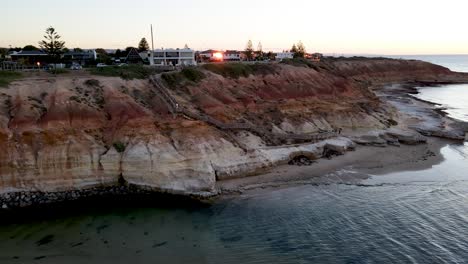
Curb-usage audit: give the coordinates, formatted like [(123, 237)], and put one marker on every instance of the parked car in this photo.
[(76, 67), (101, 65)]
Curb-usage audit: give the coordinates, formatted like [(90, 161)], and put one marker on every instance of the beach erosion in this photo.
[(69, 137)]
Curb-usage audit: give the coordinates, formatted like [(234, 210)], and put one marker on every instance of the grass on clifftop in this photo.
[(190, 74), (129, 72), (6, 77), (237, 70)]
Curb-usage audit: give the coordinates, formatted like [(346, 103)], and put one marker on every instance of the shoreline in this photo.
[(410, 156)]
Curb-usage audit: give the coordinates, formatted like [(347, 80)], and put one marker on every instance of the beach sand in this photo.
[(351, 168)]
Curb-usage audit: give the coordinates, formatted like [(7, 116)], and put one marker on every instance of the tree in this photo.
[(30, 48), (301, 51), (260, 51), (143, 45), (101, 51), (77, 50), (3, 52), (249, 51), (294, 48), (52, 44)]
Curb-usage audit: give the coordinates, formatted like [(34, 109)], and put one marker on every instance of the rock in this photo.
[(4, 206), (408, 137)]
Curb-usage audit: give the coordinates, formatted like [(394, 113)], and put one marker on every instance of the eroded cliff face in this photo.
[(67, 133)]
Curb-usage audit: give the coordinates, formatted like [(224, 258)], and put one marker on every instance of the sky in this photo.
[(397, 27)]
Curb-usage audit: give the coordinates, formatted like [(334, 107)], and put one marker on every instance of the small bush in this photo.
[(119, 146), (92, 83), (193, 74), (6, 77), (172, 79), (75, 98)]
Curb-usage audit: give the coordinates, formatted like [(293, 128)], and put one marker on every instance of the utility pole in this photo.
[(152, 47)]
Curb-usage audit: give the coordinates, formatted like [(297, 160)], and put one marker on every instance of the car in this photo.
[(76, 67), (123, 64), (101, 65)]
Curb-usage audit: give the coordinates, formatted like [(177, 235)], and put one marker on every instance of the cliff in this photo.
[(81, 131)]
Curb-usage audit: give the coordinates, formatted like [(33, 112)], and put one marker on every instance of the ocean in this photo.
[(403, 217)]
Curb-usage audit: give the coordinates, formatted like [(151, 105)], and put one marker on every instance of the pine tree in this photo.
[(52, 44), (249, 51), (143, 45), (294, 48)]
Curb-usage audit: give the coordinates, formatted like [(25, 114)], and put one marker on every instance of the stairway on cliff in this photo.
[(177, 108)]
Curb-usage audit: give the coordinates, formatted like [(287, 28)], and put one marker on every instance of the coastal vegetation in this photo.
[(6, 77), (128, 72), (237, 70), (189, 74)]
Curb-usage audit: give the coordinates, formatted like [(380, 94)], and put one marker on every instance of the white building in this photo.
[(232, 55), (284, 55), (174, 57)]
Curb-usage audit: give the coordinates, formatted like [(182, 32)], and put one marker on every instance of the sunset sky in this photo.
[(328, 26)]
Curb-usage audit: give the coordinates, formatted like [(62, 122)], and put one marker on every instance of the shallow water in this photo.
[(406, 217), (452, 98)]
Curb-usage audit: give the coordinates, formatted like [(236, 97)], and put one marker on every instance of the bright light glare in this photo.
[(218, 56)]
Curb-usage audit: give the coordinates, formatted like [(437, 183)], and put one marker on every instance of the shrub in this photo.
[(92, 82), (119, 146), (193, 74), (172, 79)]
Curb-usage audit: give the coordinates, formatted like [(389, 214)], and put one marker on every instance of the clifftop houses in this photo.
[(160, 57)]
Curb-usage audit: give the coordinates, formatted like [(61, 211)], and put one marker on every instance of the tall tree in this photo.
[(301, 50), (143, 45), (260, 51), (294, 48), (77, 50), (52, 43), (249, 51)]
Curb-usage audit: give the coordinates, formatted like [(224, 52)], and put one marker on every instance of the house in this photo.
[(317, 57), (133, 57), (174, 57), (232, 55), (211, 55), (31, 57), (145, 55), (81, 57), (284, 55)]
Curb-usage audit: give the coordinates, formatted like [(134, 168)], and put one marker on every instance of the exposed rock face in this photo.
[(65, 133)]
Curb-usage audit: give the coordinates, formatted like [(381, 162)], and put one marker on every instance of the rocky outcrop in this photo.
[(393, 136), (62, 134)]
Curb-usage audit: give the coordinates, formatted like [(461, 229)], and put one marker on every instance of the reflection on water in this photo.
[(408, 217), (454, 98)]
